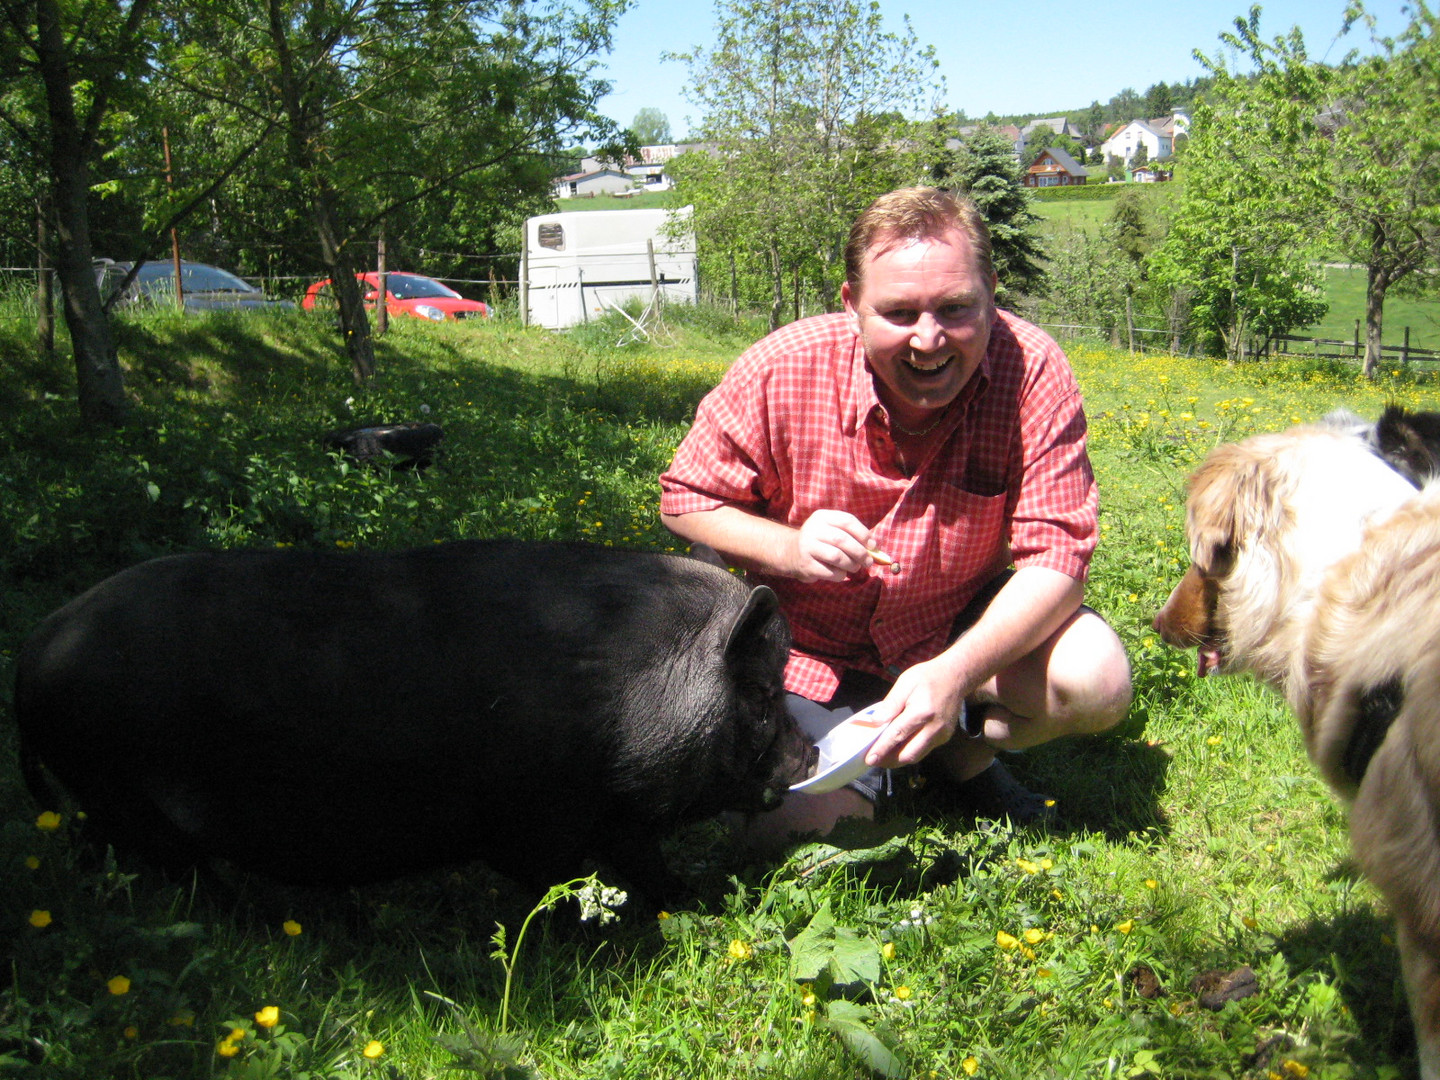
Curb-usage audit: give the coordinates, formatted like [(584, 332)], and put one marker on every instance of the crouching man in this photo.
[(910, 476)]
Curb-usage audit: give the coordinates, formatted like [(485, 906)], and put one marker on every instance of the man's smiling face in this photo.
[(923, 310)]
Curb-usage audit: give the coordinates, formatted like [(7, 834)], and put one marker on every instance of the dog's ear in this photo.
[(1409, 442), (1220, 507)]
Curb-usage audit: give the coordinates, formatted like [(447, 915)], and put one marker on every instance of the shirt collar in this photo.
[(867, 404)]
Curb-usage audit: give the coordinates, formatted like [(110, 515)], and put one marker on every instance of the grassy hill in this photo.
[(1193, 841), (1344, 286)]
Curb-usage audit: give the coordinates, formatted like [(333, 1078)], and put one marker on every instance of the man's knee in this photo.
[(1090, 675)]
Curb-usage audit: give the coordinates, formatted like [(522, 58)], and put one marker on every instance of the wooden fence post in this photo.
[(1357, 337), (1405, 350)]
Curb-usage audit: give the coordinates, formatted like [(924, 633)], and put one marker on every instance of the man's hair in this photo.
[(917, 213)]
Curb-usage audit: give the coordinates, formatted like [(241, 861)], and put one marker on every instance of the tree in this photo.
[(381, 106), (1384, 127), (1244, 236), (1094, 124), (73, 69), (1130, 226), (1141, 156), (799, 103), (1124, 106), (985, 169), (651, 127), (1159, 101)]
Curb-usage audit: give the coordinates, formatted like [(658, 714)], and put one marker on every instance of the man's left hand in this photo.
[(925, 705)]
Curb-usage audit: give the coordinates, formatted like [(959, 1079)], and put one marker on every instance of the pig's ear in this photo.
[(761, 606)]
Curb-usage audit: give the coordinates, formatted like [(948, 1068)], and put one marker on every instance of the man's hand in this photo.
[(926, 701), (830, 546)]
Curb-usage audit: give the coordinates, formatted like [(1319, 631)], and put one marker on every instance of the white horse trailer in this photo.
[(583, 263)]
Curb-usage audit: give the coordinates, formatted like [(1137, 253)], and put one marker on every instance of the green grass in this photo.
[(1195, 839), (645, 200), (1344, 286), (1345, 292)]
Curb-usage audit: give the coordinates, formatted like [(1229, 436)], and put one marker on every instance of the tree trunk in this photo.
[(44, 286), (1377, 283), (341, 263), (777, 282), (99, 387)]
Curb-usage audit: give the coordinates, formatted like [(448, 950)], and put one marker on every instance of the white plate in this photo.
[(842, 752)]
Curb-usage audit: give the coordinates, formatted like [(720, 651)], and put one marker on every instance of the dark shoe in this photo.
[(994, 793)]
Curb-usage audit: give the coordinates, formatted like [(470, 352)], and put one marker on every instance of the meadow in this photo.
[(1193, 842), (1344, 284)]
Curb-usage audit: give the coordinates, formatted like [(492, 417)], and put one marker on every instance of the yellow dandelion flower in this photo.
[(1294, 1068), (291, 927), (118, 986), (1043, 973), (739, 950), (808, 1000), (236, 1035), (1028, 866), (226, 1049), (1249, 922), (903, 993), (49, 821), (1176, 1009), (1151, 883), (1057, 894), (32, 863), (1006, 941), (1108, 1003), (131, 1032), (1048, 864), (888, 950), (1126, 926), (268, 1017), (40, 919), (969, 1066), (1027, 952), (1034, 936), (373, 1049), (1213, 740)]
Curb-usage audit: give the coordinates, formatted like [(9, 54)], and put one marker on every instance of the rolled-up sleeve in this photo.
[(1054, 519)]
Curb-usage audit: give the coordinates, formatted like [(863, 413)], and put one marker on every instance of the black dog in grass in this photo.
[(332, 718)]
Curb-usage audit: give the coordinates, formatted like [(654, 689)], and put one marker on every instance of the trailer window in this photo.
[(552, 236)]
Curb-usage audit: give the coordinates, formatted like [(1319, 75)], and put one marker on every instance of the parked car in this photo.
[(204, 287), (406, 294)]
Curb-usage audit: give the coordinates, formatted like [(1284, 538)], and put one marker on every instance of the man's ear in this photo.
[(849, 300)]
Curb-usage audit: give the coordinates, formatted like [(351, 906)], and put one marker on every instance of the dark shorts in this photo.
[(859, 690)]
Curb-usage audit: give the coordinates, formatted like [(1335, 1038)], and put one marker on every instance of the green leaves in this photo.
[(835, 957), (828, 952)]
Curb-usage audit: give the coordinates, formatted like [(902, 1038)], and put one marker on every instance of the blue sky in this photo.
[(1039, 56)]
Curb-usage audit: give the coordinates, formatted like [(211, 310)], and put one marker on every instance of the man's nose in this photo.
[(927, 334)]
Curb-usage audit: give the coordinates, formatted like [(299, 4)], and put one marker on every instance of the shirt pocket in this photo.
[(970, 528)]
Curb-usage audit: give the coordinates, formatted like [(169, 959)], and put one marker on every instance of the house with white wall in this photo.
[(1128, 138)]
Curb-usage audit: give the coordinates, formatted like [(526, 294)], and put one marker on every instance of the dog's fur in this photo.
[(1316, 566)]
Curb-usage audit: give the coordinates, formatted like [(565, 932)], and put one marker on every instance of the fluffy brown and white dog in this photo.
[(1316, 566)]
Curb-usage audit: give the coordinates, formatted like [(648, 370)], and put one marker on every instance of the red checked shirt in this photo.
[(795, 426)]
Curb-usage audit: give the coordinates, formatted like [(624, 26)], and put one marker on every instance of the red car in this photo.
[(406, 294)]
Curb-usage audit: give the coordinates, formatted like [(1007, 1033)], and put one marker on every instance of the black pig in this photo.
[(339, 718)]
